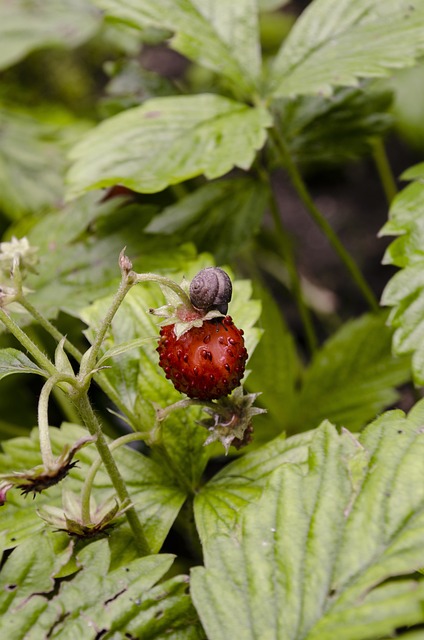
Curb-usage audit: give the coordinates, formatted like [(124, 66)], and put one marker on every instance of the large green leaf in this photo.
[(335, 42), (222, 35), (405, 291), (151, 487), (314, 557), (166, 141), (26, 25), (14, 361), (352, 378), (96, 599), (219, 217), (141, 384)]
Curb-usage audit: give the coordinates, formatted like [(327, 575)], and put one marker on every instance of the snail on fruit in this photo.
[(211, 289)]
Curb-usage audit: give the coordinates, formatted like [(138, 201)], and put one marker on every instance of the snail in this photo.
[(211, 289)]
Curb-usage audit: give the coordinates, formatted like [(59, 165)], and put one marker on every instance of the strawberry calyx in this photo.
[(230, 417), (230, 420), (179, 311)]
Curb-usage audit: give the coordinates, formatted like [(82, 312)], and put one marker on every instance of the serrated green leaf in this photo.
[(335, 42), (123, 599), (219, 503), (166, 141), (14, 361), (26, 25), (219, 217), (30, 571), (405, 291), (352, 378), (313, 558), (222, 36), (152, 490)]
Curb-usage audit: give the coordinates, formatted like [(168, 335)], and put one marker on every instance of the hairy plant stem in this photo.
[(304, 311), (91, 422), (320, 220), (162, 414), (91, 474), (43, 422), (41, 359), (124, 286), (382, 164)]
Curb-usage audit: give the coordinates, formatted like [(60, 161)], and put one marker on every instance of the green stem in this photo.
[(90, 420), (61, 398), (384, 170), (69, 412), (162, 414), (321, 221), (49, 327), (41, 359), (125, 285), (304, 311), (89, 479), (43, 422)]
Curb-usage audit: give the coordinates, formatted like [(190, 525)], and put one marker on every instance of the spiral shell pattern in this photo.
[(211, 289)]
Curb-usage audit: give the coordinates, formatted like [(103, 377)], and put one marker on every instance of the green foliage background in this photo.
[(316, 530)]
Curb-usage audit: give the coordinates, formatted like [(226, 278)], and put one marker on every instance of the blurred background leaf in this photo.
[(220, 217), (26, 25)]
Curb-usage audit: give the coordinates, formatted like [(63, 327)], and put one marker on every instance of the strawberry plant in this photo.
[(222, 433)]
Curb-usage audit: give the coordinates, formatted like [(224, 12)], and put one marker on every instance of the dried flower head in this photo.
[(39, 478), (69, 519)]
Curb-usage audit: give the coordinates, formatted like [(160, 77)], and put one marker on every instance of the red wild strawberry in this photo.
[(205, 362)]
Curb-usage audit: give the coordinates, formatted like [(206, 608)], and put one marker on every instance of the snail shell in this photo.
[(211, 289)]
